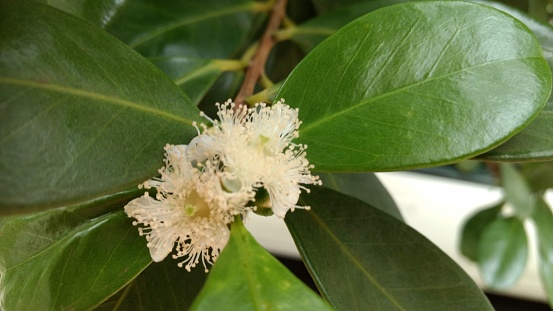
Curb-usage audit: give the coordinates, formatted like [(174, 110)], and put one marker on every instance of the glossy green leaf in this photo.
[(82, 115), (502, 252), (536, 141), (474, 228), (69, 258), (193, 28), (363, 186), (543, 218), (160, 287), (97, 12), (247, 277), (364, 259), (314, 31), (407, 86), (195, 76), (517, 191)]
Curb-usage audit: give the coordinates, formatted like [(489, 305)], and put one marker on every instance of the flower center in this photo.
[(195, 206), (263, 140)]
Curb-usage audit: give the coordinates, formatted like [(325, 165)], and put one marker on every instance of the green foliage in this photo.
[(247, 277), (394, 267), (419, 82), (91, 92), (502, 252), (474, 228), (83, 114)]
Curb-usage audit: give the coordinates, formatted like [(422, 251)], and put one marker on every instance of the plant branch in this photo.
[(257, 64)]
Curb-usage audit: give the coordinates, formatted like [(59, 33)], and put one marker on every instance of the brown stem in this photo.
[(257, 64)]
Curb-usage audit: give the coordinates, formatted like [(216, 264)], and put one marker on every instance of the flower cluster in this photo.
[(246, 160)]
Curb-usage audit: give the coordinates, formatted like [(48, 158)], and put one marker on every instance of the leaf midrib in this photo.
[(95, 96), (350, 256), (375, 98)]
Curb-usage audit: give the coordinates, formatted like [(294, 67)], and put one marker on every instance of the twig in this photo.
[(257, 64)]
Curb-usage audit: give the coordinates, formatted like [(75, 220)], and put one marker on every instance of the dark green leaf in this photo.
[(538, 175), (363, 186), (69, 258), (409, 86), (193, 28), (543, 218), (364, 259), (311, 33), (324, 6), (81, 114), (195, 76), (536, 141), (162, 286), (97, 12), (517, 191), (247, 277), (474, 228), (502, 252)]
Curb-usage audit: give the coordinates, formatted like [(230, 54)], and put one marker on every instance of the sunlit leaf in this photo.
[(81, 114), (364, 259), (407, 86), (543, 218), (69, 258), (502, 252), (536, 141), (247, 277), (363, 186), (474, 227)]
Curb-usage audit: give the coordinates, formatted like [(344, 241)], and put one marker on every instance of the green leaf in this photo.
[(409, 86), (192, 28), (536, 141), (502, 252), (543, 218), (364, 259), (69, 258), (474, 228), (162, 286), (97, 12), (314, 31), (517, 190), (82, 115), (538, 175), (195, 76), (324, 6), (247, 277), (363, 186)]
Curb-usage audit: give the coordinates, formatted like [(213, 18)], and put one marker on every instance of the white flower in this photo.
[(256, 151), (190, 213)]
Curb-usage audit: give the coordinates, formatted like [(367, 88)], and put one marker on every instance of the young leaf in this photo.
[(363, 186), (82, 114), (247, 277), (409, 86), (543, 218), (535, 142), (517, 191), (364, 259), (502, 252), (69, 258), (473, 229)]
